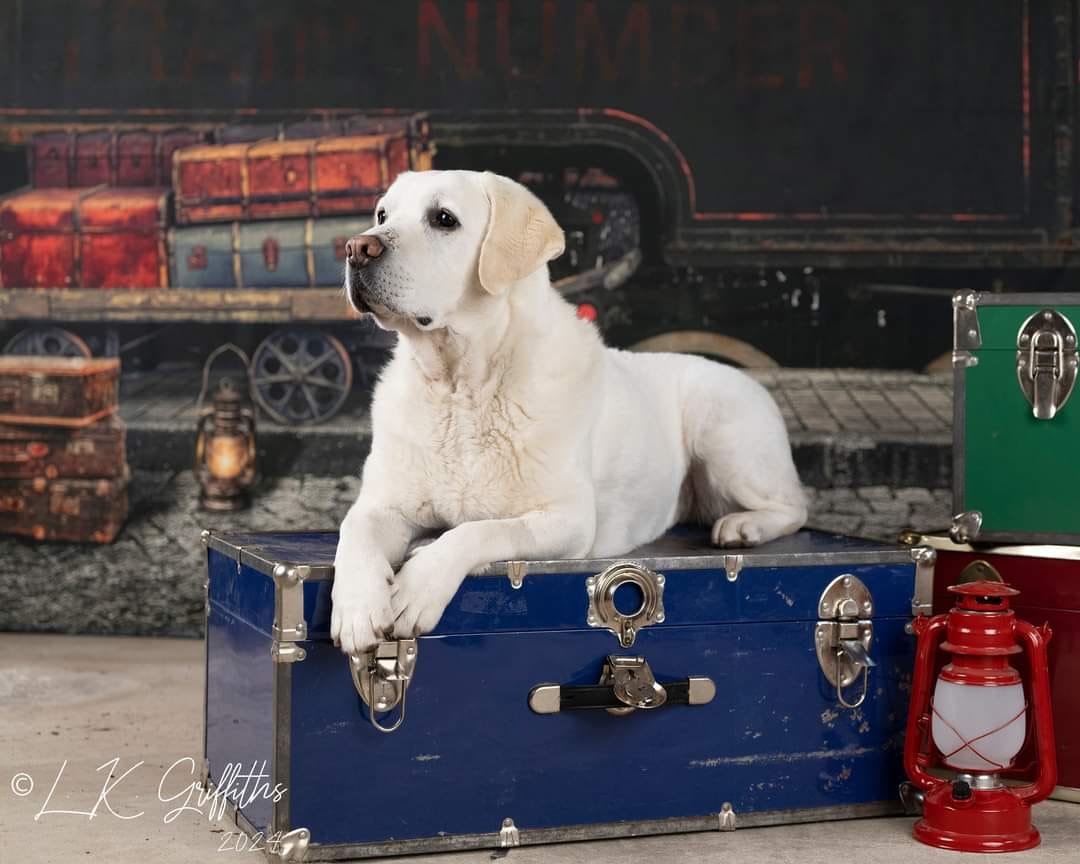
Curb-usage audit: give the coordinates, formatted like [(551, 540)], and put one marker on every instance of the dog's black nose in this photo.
[(363, 248)]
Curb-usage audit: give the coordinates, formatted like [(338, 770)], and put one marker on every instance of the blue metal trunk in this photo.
[(773, 745)]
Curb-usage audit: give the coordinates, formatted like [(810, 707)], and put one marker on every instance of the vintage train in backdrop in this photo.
[(793, 182)]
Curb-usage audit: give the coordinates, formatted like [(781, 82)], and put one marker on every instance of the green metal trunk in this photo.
[(1016, 432)]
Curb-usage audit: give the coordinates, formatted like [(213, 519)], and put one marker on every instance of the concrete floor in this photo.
[(88, 701)]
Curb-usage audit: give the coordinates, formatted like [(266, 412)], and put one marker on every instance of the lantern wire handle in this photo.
[(839, 690), (208, 365)]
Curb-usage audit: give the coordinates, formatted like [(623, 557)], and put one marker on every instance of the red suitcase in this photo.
[(293, 178), (87, 238), (134, 160), (95, 157), (135, 157), (1048, 578), (52, 160)]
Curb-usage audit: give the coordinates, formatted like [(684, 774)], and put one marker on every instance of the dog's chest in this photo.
[(477, 461)]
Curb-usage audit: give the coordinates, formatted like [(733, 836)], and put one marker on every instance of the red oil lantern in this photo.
[(976, 724)]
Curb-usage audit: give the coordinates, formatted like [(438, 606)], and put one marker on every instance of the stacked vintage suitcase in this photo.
[(96, 214), (258, 212), (1016, 477), (262, 207), (63, 474)]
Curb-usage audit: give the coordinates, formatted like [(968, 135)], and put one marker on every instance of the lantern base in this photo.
[(224, 503), (991, 820)]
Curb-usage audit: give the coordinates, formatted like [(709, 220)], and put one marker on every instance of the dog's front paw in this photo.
[(361, 613), (421, 591)]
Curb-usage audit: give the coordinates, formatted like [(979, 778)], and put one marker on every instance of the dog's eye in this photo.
[(443, 219), (380, 217)]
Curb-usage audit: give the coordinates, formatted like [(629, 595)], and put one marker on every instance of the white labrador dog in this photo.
[(503, 418)]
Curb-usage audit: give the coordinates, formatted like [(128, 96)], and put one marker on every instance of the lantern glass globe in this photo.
[(966, 713)]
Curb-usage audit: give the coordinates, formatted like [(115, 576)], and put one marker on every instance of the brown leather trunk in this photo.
[(98, 450), (80, 510), (87, 238), (57, 391), (303, 177)]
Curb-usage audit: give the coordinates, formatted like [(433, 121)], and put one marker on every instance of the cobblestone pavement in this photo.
[(149, 581), (848, 427), (881, 404), (889, 404)]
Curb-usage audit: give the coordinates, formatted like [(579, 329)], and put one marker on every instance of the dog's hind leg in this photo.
[(743, 477), (751, 527)]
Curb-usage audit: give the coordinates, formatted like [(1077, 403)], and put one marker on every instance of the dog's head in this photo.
[(443, 241)]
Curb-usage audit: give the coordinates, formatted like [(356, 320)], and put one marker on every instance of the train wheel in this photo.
[(715, 345), (301, 376), (47, 342)]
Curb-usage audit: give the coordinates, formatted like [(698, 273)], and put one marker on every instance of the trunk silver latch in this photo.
[(1046, 361), (633, 684), (382, 676), (843, 635), (603, 611)]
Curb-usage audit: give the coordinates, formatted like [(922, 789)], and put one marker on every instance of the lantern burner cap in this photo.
[(983, 596)]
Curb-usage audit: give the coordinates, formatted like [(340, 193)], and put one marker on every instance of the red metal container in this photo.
[(87, 238), (294, 178), (1048, 578)]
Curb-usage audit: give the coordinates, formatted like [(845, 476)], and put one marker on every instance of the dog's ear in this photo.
[(522, 235)]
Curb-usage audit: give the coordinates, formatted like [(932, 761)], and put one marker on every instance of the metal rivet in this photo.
[(660, 618), (973, 334), (867, 606), (1048, 315), (659, 580), (847, 581)]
